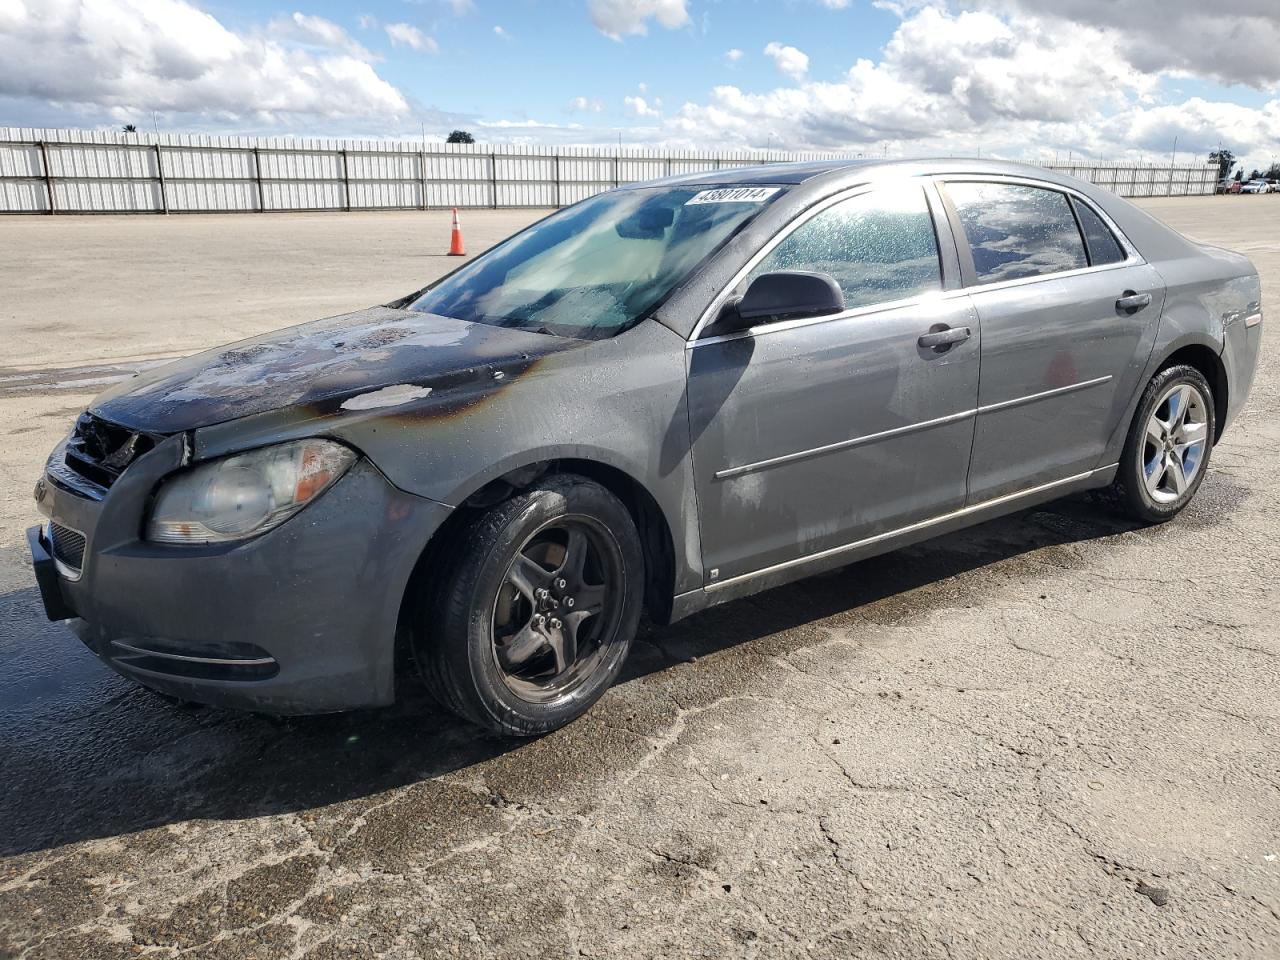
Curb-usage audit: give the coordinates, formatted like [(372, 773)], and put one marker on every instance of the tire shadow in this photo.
[(87, 754)]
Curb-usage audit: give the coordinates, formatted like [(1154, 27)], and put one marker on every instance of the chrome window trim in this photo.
[(1132, 256), (931, 298), (1132, 259), (780, 326), (857, 191), (910, 528)]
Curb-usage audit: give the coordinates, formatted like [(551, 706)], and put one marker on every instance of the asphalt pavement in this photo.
[(1053, 735)]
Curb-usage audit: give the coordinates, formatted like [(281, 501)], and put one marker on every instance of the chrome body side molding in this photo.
[(974, 512)]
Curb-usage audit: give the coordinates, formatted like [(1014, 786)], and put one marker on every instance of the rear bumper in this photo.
[(1242, 343), (299, 620)]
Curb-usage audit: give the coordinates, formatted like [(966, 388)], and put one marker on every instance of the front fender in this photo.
[(618, 402)]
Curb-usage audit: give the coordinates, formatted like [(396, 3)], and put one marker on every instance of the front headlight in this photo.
[(246, 494)]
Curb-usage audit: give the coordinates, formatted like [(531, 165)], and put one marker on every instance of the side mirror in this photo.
[(782, 295)]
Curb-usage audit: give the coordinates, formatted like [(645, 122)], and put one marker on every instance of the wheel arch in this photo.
[(1205, 357), (488, 489)]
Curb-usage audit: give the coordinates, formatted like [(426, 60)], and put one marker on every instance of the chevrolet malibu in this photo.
[(662, 398)]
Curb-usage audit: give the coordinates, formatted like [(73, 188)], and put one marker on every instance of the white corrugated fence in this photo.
[(91, 171)]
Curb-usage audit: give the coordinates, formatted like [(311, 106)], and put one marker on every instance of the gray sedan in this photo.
[(659, 399)]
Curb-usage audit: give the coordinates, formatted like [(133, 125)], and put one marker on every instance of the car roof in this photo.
[(810, 182), (770, 173), (826, 172)]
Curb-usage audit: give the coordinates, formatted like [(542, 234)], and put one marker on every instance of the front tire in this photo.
[(531, 623), (1166, 453)]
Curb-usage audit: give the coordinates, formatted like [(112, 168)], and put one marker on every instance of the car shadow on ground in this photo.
[(87, 754)]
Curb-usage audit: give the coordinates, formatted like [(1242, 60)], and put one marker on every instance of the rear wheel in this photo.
[(533, 622), (1167, 451)]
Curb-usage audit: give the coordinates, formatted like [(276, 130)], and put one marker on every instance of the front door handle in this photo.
[(942, 340), (1133, 302)]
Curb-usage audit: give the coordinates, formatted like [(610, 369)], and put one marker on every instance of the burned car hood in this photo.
[(359, 361)]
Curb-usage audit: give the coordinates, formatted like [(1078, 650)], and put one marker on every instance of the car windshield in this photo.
[(594, 269)]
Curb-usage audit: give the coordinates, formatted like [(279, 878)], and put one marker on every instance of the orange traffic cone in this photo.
[(456, 249)]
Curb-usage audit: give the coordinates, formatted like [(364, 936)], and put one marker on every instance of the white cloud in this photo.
[(944, 82), (501, 33), (640, 107), (794, 63), (1199, 125), (407, 35), (317, 32), (1232, 41), (1018, 78), (617, 18), (992, 81), (461, 7), (121, 57), (835, 4)]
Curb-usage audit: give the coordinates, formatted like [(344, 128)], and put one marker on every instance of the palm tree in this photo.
[(130, 128)]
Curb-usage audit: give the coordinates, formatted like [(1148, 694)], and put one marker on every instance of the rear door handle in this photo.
[(944, 339), (1133, 302)]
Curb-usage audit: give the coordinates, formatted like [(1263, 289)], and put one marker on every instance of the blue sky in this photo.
[(1103, 79), (548, 55)]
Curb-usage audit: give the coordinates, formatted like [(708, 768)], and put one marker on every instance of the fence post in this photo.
[(48, 177), (493, 179), (556, 157), (257, 175), (422, 177), (615, 170), (164, 200), (346, 182)]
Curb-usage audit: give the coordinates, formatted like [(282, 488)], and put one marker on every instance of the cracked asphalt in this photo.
[(1054, 735)]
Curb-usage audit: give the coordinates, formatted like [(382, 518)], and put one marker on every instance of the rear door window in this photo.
[(1016, 231), (1103, 246), (879, 247)]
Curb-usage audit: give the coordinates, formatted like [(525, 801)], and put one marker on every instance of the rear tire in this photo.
[(532, 612), (1166, 453)]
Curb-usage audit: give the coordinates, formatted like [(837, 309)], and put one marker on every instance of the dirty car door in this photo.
[(1068, 315), (811, 434)]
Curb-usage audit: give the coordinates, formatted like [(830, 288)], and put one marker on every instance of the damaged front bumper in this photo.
[(299, 620)]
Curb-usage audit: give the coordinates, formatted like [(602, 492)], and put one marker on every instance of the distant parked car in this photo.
[(1228, 186), (1256, 186), (664, 397)]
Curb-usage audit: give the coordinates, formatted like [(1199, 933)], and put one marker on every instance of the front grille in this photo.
[(99, 450), (68, 546)]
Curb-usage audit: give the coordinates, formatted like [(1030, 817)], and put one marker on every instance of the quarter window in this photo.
[(1016, 231), (878, 246), (1103, 246)]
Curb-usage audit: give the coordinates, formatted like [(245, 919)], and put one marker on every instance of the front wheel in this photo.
[(1167, 451), (531, 624)]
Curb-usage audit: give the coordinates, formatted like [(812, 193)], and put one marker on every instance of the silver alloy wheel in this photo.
[(1174, 448), (559, 604)]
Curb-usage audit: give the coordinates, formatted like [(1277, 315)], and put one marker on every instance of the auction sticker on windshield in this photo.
[(733, 195)]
